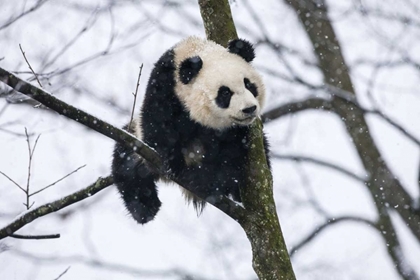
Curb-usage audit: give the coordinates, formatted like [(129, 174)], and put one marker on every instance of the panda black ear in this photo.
[(243, 48), (189, 69)]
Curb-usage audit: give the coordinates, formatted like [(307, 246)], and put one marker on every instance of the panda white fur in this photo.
[(199, 102)]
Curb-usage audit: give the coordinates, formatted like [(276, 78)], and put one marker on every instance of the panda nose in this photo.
[(249, 110)]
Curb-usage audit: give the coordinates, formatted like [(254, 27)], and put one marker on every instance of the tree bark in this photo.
[(260, 222)]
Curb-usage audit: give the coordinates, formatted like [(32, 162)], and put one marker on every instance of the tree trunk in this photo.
[(261, 224), (385, 189)]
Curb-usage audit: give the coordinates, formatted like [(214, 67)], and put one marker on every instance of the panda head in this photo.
[(218, 86)]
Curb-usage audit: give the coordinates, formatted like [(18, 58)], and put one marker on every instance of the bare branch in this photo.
[(89, 23), (324, 226), (322, 163), (8, 131), (31, 153), (30, 67), (81, 117), (347, 96), (38, 4), (59, 180), (294, 107), (135, 95), (36, 237), (394, 124), (11, 180), (122, 268), (36, 142), (57, 205), (30, 206), (64, 272)]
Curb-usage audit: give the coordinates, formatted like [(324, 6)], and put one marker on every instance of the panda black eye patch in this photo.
[(251, 87), (189, 69), (223, 97)]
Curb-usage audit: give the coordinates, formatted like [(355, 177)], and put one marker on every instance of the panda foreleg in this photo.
[(136, 184), (210, 181)]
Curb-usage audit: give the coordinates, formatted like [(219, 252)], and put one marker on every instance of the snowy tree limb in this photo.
[(31, 215)]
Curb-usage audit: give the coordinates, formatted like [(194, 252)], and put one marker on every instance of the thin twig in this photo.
[(89, 23), (35, 237), (32, 9), (64, 272), (30, 206), (59, 180), (394, 124), (345, 95), (8, 131), (296, 106), (11, 180), (36, 142), (59, 204), (135, 271), (30, 67), (29, 169), (322, 163), (135, 95), (81, 117), (326, 225)]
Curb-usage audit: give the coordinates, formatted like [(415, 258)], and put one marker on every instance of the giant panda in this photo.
[(199, 103)]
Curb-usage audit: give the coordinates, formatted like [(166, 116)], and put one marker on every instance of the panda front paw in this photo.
[(143, 212)]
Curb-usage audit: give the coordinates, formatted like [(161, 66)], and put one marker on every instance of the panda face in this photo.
[(220, 89), (231, 94)]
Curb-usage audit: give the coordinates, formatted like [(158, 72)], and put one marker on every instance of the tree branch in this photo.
[(294, 107), (37, 237), (35, 7), (394, 124), (62, 273), (81, 117), (322, 163), (319, 229), (29, 216), (113, 267), (57, 181)]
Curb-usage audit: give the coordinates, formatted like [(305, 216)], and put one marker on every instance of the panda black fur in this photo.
[(199, 102)]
